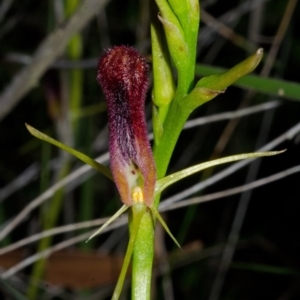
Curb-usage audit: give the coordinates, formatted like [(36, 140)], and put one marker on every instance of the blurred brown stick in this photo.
[(47, 52)]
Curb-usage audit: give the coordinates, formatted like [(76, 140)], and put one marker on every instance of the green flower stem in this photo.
[(206, 89), (181, 107), (143, 258), (168, 124), (173, 125), (136, 220)]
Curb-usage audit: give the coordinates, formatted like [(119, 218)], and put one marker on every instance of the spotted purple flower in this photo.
[(122, 74)]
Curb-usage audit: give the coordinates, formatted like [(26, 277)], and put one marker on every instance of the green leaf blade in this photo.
[(281, 88), (168, 180), (86, 159)]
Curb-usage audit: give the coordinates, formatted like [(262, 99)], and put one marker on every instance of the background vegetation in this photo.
[(240, 247)]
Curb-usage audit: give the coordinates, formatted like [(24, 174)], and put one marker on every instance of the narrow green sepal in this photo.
[(222, 81), (86, 159), (163, 183), (164, 225), (111, 219)]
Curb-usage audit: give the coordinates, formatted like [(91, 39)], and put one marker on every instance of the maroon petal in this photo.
[(122, 74)]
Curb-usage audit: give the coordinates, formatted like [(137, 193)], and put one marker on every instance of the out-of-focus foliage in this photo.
[(265, 262)]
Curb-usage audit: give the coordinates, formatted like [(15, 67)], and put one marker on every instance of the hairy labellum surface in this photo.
[(122, 74)]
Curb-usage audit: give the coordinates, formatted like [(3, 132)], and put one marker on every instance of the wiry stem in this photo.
[(137, 212)]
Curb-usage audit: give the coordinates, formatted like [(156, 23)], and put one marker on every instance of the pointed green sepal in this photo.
[(163, 183), (86, 159), (164, 225), (222, 81), (111, 219)]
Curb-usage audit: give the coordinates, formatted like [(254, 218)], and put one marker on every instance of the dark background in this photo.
[(265, 263)]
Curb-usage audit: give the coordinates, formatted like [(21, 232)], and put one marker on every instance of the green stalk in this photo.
[(49, 216), (74, 51), (137, 215), (142, 259), (173, 123), (180, 24)]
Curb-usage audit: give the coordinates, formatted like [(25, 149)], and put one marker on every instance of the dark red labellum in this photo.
[(123, 76)]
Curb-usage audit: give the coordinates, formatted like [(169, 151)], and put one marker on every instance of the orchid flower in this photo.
[(123, 76)]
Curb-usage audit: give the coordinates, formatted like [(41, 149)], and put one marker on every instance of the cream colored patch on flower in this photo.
[(137, 195)]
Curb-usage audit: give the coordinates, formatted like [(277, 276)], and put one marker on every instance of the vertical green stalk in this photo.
[(52, 210), (142, 259), (49, 217), (74, 52), (137, 214), (180, 20), (181, 32)]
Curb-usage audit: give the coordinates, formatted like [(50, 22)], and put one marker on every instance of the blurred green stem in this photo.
[(180, 21), (49, 217), (74, 51)]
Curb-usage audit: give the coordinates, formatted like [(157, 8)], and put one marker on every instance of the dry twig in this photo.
[(48, 51)]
